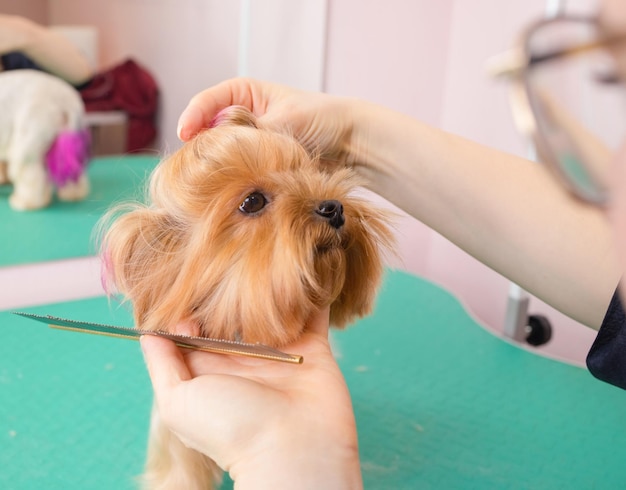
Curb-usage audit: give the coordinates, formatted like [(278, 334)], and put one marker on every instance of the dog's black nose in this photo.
[(333, 212)]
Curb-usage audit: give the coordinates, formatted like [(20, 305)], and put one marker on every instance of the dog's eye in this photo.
[(253, 203)]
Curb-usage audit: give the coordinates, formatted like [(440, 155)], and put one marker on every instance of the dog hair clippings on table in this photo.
[(216, 346)]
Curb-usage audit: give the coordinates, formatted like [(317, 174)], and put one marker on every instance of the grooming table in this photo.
[(440, 403), (63, 230)]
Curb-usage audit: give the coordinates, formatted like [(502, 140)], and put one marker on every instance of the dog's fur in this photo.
[(37, 108), (193, 254)]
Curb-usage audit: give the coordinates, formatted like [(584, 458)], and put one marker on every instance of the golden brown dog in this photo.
[(245, 235)]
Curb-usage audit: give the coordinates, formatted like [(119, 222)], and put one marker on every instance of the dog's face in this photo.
[(247, 236)]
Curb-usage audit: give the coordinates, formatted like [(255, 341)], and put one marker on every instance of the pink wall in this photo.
[(187, 46), (36, 10), (477, 108), (420, 57), (194, 44), (395, 56)]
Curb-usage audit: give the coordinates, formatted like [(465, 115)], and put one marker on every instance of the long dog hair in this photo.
[(244, 235)]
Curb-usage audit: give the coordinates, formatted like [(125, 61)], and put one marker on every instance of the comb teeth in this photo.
[(219, 346)]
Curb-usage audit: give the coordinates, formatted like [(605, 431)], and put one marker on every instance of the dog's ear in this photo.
[(140, 258), (234, 115)]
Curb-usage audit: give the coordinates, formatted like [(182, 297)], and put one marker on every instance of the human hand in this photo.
[(322, 123), (262, 421)]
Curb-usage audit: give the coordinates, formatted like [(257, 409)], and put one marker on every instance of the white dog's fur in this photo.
[(35, 108)]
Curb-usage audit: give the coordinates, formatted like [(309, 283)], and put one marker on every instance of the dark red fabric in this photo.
[(131, 88)]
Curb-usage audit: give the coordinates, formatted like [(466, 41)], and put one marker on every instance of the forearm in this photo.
[(507, 212), (305, 468), (307, 453), (48, 49)]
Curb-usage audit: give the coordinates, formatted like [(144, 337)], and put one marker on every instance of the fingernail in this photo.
[(182, 130), (189, 123), (182, 123), (141, 343)]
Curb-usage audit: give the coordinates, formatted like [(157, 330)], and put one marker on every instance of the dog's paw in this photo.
[(19, 202), (74, 191)]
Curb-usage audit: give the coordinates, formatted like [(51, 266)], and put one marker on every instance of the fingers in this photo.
[(170, 366), (165, 363), (190, 122), (203, 107)]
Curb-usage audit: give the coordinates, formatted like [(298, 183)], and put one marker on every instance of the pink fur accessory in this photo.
[(68, 156)]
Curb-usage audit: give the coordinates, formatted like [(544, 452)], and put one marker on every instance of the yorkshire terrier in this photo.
[(43, 140), (245, 235)]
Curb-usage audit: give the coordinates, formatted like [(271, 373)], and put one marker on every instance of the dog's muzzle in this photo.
[(332, 211)]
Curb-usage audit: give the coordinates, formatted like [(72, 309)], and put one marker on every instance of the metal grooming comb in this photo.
[(188, 342)]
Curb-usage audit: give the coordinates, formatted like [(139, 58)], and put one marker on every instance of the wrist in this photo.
[(357, 128), (301, 463), (376, 147), (301, 468), (376, 137)]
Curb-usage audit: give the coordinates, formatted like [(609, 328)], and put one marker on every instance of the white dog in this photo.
[(43, 143)]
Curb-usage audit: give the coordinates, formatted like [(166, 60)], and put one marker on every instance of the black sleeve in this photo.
[(607, 358), (17, 61)]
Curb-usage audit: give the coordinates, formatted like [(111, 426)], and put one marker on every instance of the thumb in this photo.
[(166, 364)]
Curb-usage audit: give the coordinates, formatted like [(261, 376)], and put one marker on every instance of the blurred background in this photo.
[(423, 58)]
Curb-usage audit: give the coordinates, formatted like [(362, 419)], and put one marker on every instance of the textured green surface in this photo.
[(440, 403), (64, 229), (74, 409)]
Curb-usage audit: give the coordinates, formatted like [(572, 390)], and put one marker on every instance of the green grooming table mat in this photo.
[(440, 403), (64, 229)]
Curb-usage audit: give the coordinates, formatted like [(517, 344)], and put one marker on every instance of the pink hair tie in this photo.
[(219, 117)]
